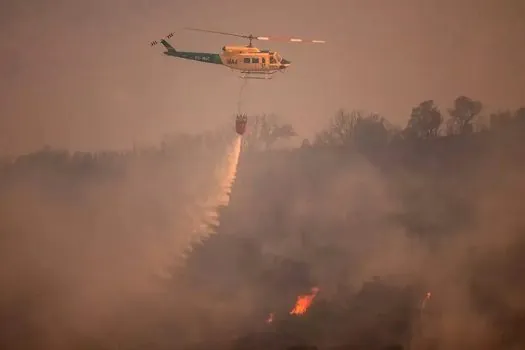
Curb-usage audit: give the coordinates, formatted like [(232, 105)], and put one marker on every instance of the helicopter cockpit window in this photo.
[(277, 57), (272, 60)]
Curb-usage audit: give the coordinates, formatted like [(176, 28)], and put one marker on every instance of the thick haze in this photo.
[(81, 74)]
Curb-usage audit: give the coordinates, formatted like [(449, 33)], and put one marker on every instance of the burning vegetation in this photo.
[(303, 302)]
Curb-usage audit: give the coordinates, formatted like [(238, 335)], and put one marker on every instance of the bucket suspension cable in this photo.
[(244, 83)]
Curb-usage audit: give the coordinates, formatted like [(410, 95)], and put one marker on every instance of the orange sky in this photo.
[(81, 74)]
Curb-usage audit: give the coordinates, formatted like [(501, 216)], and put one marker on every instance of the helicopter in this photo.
[(252, 62)]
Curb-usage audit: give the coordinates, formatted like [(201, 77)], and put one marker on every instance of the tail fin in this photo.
[(165, 43), (168, 46)]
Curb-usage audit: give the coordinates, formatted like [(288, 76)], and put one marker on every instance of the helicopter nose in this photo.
[(285, 63)]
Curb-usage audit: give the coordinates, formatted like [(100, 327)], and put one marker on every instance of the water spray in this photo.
[(226, 173)]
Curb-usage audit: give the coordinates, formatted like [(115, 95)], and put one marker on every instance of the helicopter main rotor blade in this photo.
[(263, 38), (223, 33), (289, 39)]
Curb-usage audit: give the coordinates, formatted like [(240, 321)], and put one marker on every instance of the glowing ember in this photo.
[(270, 318), (303, 302)]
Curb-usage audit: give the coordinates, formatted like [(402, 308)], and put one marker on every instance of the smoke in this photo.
[(84, 243), (89, 239), (473, 256), (476, 272), (454, 230)]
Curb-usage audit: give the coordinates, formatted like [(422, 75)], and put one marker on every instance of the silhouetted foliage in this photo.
[(462, 115), (356, 130), (425, 121), (501, 119), (370, 133), (340, 131), (266, 130), (520, 115)]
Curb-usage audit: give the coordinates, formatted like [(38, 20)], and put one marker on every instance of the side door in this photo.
[(246, 63), (256, 63), (273, 62), (264, 62)]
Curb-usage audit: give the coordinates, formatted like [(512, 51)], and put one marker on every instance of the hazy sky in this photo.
[(81, 74)]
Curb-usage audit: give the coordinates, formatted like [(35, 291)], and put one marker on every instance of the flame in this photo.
[(303, 302)]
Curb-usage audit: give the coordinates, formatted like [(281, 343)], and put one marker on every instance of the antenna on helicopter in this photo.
[(265, 38)]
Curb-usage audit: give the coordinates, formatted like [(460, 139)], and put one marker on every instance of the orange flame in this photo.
[(303, 302)]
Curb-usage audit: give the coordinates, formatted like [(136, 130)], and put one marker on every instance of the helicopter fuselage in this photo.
[(243, 58), (251, 59)]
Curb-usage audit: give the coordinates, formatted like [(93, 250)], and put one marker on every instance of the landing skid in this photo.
[(257, 75)]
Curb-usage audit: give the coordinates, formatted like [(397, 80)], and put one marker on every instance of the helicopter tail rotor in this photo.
[(155, 42)]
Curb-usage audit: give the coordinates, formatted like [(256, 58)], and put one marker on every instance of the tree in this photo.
[(508, 120), (267, 130), (519, 116), (306, 144), (340, 130), (284, 131), (500, 119), (355, 129), (464, 111), (370, 132), (425, 120)]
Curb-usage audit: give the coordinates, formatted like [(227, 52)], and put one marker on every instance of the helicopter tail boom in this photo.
[(194, 56)]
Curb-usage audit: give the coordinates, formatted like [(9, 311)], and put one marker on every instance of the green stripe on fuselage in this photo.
[(197, 56)]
